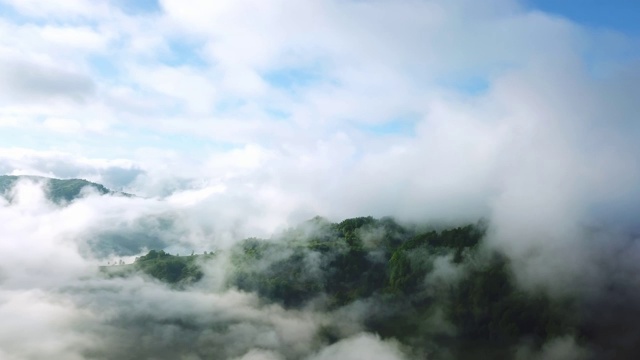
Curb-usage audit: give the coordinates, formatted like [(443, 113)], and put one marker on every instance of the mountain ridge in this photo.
[(57, 190)]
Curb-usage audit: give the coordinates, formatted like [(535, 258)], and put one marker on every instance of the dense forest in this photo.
[(435, 289)]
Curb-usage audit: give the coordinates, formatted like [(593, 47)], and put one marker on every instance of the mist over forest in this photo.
[(105, 275)]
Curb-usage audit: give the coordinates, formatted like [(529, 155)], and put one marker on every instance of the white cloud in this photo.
[(359, 347), (65, 9), (81, 38), (63, 125), (194, 88)]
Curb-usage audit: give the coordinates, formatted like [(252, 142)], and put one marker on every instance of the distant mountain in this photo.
[(57, 190)]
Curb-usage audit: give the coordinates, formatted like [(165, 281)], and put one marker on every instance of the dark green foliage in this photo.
[(349, 230), (274, 271), (352, 276), (457, 239), (411, 261), (406, 270), (488, 306), (68, 190), (397, 271), (316, 258), (152, 255), (169, 268), (390, 265)]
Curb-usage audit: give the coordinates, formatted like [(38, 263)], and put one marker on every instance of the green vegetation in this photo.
[(169, 268), (172, 269), (410, 279), (398, 270), (57, 190)]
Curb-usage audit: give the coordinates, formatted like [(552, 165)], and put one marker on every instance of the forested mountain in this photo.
[(57, 190), (437, 290)]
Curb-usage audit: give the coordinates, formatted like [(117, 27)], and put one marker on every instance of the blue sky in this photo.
[(619, 15)]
